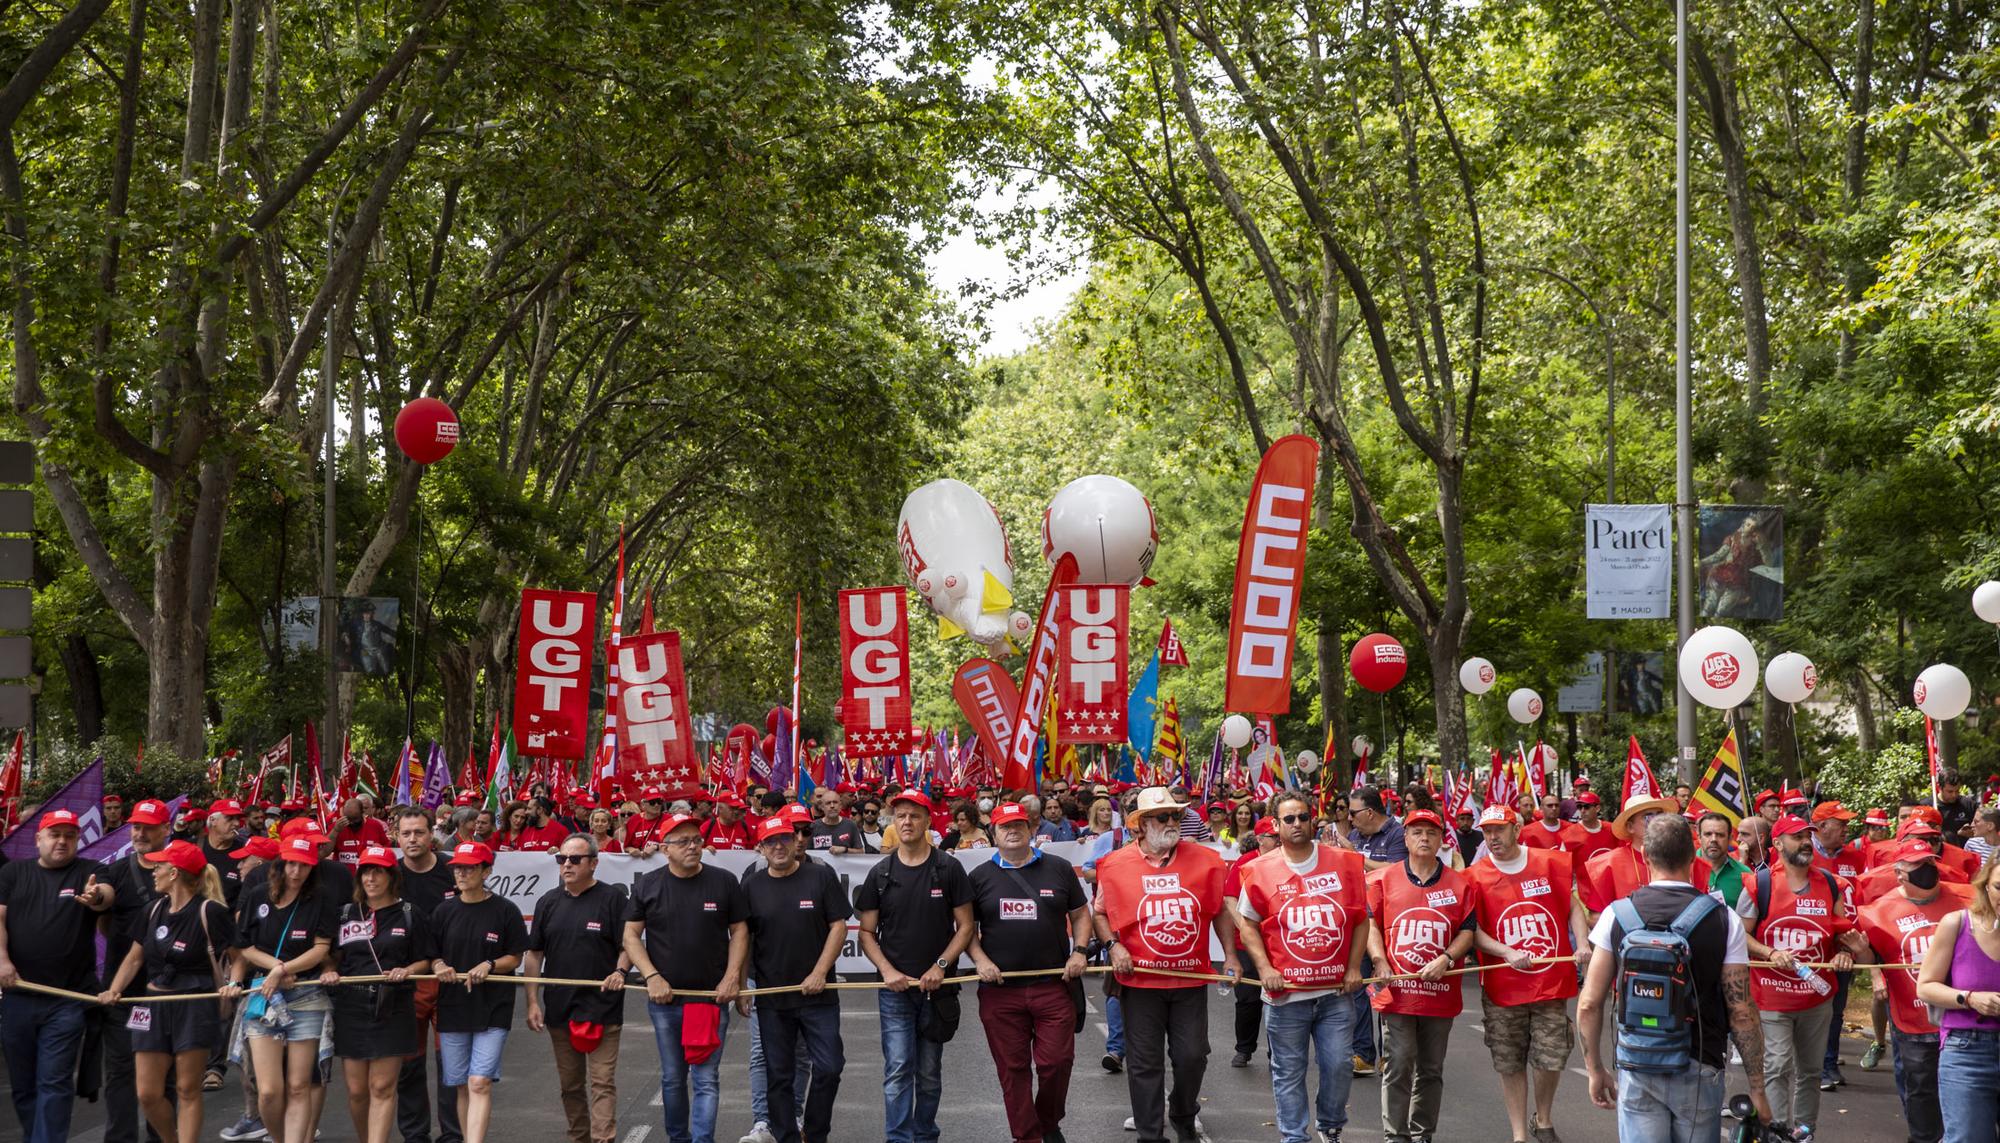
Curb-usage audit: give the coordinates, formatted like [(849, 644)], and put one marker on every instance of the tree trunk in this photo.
[(1332, 686), (1446, 695), (457, 673), (86, 687), (1855, 166), (1864, 711)]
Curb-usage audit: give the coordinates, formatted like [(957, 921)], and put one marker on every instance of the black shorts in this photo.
[(366, 1030), (175, 1026)]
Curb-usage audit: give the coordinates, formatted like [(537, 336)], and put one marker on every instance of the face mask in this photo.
[(1162, 835), (1924, 876), (985, 805), (882, 820)]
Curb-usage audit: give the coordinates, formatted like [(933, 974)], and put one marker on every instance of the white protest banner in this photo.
[(1627, 561)]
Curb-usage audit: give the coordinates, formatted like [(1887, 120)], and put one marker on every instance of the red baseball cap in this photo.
[(152, 811), (57, 818), (915, 797), (1788, 824), (302, 827), (774, 827), (229, 807), (1876, 816), (1793, 798), (1916, 827), (1914, 850), (1580, 781), (797, 814), (1828, 811), (182, 855), (1423, 818), (673, 822), (301, 849), (108, 799), (471, 853), (1010, 812), (377, 855), (1497, 815), (1267, 827), (729, 798), (260, 847), (1588, 799), (1926, 814), (653, 794), (465, 799), (294, 804), (1757, 803)]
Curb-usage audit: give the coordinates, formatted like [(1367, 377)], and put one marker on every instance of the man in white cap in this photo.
[(1614, 873), (1157, 901)]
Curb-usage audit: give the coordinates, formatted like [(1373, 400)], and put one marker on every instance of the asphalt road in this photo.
[(1236, 1101)]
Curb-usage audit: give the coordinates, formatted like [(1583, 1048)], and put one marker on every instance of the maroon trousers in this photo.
[(1031, 1022)]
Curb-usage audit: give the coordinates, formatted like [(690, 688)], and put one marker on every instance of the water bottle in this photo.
[(1227, 987), (1813, 980)]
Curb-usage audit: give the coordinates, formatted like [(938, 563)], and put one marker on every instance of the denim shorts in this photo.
[(462, 1055), (304, 1026)]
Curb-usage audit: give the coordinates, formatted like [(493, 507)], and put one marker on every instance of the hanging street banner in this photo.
[(552, 678), (655, 730), (1093, 678), (1628, 552), (1270, 575), (1584, 693), (1740, 565), (875, 671), (990, 701)]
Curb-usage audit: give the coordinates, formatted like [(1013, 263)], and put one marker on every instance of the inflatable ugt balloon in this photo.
[(956, 553)]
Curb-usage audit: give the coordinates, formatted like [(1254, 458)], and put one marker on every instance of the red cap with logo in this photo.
[(672, 822), (301, 849), (471, 853), (1497, 815), (264, 848), (1267, 827), (1423, 818), (57, 818), (1588, 799), (152, 811), (378, 856), (1914, 850), (1010, 812), (1790, 824), (774, 827), (1876, 816), (182, 855), (915, 797), (1828, 811), (228, 807), (1917, 827)]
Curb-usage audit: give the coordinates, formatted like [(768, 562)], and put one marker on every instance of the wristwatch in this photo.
[(1965, 1000), (943, 963)]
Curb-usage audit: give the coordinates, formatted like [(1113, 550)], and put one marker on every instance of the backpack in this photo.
[(1764, 892), (1656, 1000)]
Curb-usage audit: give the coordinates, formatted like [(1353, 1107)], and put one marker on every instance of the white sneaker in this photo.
[(1131, 1124), (760, 1132)]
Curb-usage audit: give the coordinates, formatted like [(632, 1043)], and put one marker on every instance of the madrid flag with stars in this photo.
[(1092, 678)]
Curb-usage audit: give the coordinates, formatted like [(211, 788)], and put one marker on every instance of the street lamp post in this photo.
[(1683, 402)]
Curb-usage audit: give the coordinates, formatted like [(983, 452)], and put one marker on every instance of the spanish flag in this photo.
[(1721, 788)]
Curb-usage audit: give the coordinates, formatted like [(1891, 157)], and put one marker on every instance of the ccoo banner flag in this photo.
[(990, 701), (875, 671), (552, 680), (656, 735), (1270, 572), (1017, 765), (1093, 680), (1627, 561)]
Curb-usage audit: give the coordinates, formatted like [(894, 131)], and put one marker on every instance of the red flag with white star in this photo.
[(1092, 677)]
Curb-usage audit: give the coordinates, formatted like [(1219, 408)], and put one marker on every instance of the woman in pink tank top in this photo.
[(1961, 979)]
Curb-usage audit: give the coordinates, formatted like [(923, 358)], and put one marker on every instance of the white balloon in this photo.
[(1790, 677), (1943, 691), (1307, 761), (1524, 705), (951, 540), (1476, 675), (1361, 745), (1986, 601), (1236, 732), (1107, 525), (1718, 666)]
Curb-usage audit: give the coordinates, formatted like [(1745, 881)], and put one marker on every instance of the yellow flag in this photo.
[(1721, 788)]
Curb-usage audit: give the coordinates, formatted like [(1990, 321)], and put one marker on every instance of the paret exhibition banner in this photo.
[(1628, 561)]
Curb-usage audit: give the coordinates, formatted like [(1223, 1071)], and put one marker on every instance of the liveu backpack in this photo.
[(1656, 1001)]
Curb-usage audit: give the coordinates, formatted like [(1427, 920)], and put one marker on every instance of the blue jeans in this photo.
[(686, 1119), (1114, 1027), (1679, 1108), (912, 1070), (1364, 1017), (1325, 1024), (1916, 1060), (40, 1036), (1969, 1085)]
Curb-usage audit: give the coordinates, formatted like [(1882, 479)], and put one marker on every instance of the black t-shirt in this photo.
[(842, 832), (687, 923), (464, 934), (131, 878), (50, 934), (915, 904), (371, 942), (789, 917), (336, 881), (1657, 906), (428, 890), (262, 925), (1957, 814), (225, 868), (176, 951), (1024, 923), (579, 937)]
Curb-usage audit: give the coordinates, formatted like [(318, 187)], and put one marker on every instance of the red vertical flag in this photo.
[(875, 671), (1270, 575), (653, 713), (1017, 769), (1093, 626), (1639, 778), (1172, 654)]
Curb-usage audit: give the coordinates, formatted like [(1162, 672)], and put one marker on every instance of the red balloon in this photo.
[(1378, 663), (770, 746), (426, 430)]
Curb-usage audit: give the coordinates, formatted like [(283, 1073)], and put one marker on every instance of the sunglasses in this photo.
[(1296, 819), (572, 858)]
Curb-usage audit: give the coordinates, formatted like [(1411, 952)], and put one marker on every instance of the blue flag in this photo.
[(1142, 709)]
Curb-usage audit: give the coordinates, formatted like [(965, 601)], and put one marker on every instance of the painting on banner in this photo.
[(552, 680), (655, 728), (875, 671), (1627, 561), (1741, 566), (1093, 679)]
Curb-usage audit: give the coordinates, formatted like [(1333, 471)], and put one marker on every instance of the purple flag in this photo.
[(784, 768), (402, 783), (437, 778), (116, 844), (83, 796)]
